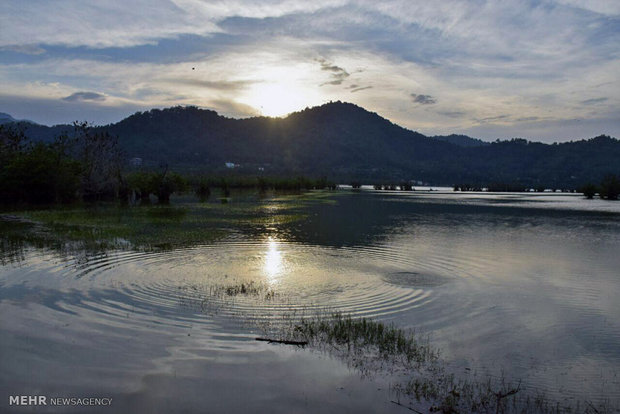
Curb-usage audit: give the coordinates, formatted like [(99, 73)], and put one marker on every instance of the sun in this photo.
[(276, 98)]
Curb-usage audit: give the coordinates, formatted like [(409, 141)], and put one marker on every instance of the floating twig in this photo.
[(280, 341), (404, 406)]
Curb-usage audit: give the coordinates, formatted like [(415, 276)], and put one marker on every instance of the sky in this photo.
[(542, 70)]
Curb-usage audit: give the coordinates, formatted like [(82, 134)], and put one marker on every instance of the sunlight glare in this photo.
[(273, 260), (276, 99)]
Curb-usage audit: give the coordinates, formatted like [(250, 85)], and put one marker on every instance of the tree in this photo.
[(610, 187), (588, 190), (142, 184), (101, 157), (36, 173)]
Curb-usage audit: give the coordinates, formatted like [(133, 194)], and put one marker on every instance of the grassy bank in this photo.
[(182, 223)]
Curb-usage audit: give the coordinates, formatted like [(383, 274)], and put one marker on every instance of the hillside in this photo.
[(344, 141)]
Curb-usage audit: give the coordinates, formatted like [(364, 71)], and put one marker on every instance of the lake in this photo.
[(523, 287)]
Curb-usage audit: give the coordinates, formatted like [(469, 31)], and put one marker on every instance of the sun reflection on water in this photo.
[(273, 260)]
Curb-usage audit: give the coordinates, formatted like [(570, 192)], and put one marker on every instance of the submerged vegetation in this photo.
[(183, 223), (421, 380), (428, 385), (386, 341)]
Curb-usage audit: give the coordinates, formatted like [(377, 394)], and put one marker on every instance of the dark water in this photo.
[(521, 286)]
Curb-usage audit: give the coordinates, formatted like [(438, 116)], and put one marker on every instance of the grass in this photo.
[(183, 223), (210, 298), (386, 340), (423, 383), (422, 380)]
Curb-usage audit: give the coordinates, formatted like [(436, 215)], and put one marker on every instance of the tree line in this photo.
[(608, 189), (89, 165)]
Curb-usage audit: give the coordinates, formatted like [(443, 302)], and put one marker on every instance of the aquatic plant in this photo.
[(343, 330), (431, 386)]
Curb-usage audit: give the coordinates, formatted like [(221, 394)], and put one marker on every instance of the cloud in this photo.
[(338, 74), (84, 96), (474, 56), (115, 23), (491, 119), (594, 101), (423, 99), (24, 49), (605, 7), (452, 114), (548, 130), (233, 109), (221, 85), (53, 111)]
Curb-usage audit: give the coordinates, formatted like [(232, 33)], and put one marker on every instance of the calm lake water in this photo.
[(524, 286)]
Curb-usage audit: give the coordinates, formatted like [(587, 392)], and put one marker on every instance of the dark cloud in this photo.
[(593, 101), (338, 74), (84, 96), (527, 119), (423, 99)]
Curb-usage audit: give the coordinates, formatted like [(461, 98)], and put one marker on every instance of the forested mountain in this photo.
[(345, 142), (6, 118), (461, 140)]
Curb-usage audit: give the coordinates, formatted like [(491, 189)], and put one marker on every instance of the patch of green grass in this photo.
[(345, 331), (430, 387)]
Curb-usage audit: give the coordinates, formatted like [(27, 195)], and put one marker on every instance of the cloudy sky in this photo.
[(543, 70)]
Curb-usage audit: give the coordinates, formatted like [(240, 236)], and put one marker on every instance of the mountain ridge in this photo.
[(345, 141)]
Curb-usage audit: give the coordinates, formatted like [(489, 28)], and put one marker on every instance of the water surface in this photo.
[(524, 286)]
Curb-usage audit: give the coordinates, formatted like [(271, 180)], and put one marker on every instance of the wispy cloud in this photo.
[(220, 85), (361, 88), (594, 101), (491, 119), (528, 119), (469, 62), (26, 49), (452, 114), (337, 74)]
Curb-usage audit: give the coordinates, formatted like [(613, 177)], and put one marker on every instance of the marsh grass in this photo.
[(212, 298), (423, 381), (385, 340), (182, 223), (420, 379)]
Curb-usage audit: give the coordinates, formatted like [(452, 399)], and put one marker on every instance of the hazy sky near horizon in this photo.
[(543, 70)]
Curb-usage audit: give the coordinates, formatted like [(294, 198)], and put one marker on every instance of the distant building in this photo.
[(135, 162), (230, 165)]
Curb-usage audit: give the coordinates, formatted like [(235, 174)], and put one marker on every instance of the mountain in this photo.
[(461, 140), (6, 118), (345, 142)]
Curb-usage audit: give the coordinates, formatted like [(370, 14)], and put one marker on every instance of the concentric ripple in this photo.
[(286, 277)]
